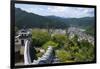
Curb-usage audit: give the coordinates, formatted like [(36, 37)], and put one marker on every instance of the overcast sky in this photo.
[(61, 11)]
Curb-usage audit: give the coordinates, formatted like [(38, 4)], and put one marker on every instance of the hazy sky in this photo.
[(61, 11)]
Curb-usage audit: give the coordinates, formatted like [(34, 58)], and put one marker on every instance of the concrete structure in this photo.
[(17, 44), (22, 44), (24, 35), (46, 58), (27, 58), (21, 38)]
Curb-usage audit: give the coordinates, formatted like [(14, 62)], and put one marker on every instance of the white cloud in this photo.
[(57, 9), (62, 11), (30, 10), (41, 9)]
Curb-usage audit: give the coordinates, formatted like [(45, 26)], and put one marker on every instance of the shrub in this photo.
[(39, 37), (59, 38), (39, 54), (63, 55), (80, 51), (85, 52), (50, 43), (67, 45)]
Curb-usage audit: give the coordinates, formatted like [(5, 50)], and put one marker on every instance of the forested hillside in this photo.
[(31, 20)]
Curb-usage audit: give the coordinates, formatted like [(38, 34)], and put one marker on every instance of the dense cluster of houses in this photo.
[(81, 34)]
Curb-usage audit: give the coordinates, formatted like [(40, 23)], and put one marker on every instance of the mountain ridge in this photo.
[(31, 20)]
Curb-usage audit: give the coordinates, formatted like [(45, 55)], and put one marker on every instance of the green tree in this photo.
[(59, 38), (40, 37), (50, 43), (63, 56)]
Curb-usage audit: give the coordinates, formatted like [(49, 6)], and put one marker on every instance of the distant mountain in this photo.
[(30, 20), (80, 22)]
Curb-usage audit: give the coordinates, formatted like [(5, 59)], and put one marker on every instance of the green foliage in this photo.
[(40, 37), (90, 30), (87, 49), (80, 57), (50, 43), (39, 54), (63, 55), (67, 45), (59, 38), (70, 50), (80, 51), (75, 40)]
